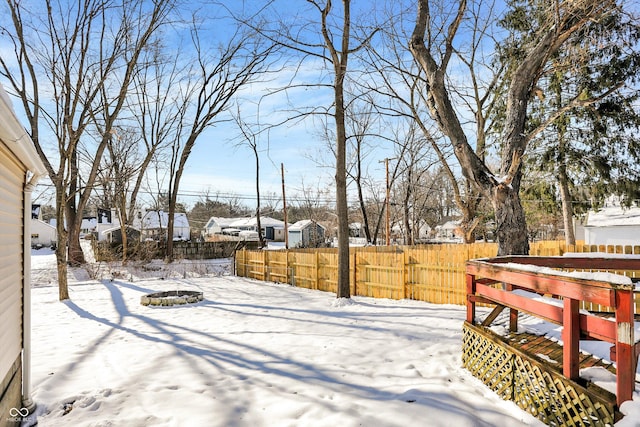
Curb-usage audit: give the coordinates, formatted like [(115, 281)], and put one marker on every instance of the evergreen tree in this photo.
[(583, 115)]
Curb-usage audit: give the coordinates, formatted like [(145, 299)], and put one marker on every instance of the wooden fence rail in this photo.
[(430, 273)]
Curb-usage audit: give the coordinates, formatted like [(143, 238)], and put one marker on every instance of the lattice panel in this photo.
[(488, 361), (554, 399), (547, 395)]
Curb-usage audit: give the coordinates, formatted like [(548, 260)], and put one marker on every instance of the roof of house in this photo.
[(42, 223), (118, 228), (449, 225), (610, 216), (14, 135), (302, 224), (265, 221), (160, 219), (220, 221)]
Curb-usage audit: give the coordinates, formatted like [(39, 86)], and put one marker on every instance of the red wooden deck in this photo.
[(493, 281)]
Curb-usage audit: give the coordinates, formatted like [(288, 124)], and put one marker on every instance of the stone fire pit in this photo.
[(168, 298)]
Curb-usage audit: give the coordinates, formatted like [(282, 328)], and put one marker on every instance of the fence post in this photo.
[(315, 270), (265, 261), (286, 266), (405, 274), (355, 276)]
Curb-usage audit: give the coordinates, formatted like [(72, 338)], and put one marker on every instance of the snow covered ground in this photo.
[(250, 354)]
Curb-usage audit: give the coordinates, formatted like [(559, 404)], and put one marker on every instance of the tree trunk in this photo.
[(61, 248), (76, 256), (61, 262), (408, 226), (363, 206), (73, 217), (344, 288), (562, 176), (170, 225), (567, 206), (511, 225), (258, 224)]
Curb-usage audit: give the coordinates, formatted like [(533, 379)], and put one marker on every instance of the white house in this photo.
[(613, 225), (272, 229), (448, 232), (153, 225), (216, 225), (423, 230), (106, 221), (42, 234), (306, 233), (88, 225), (20, 169)]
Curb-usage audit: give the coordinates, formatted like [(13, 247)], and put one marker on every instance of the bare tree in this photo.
[(250, 138), (433, 48), (360, 120), (415, 161), (121, 167), (73, 62), (403, 86), (215, 78), (334, 29)]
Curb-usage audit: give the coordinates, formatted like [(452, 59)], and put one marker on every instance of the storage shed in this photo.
[(306, 234), (20, 169)]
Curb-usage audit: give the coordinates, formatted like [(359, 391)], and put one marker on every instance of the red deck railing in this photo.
[(493, 281)]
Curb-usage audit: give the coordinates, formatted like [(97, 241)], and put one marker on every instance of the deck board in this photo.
[(540, 345)]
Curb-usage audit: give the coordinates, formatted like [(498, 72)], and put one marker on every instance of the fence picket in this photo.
[(430, 273)]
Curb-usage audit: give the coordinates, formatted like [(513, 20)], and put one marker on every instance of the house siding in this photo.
[(42, 233), (620, 235), (12, 174), (12, 394)]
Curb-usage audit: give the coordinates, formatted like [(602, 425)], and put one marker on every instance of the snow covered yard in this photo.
[(250, 354)]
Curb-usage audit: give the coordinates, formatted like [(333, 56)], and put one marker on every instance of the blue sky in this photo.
[(217, 165), (220, 165)]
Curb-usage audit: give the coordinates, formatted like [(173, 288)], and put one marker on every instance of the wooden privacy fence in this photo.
[(431, 273)]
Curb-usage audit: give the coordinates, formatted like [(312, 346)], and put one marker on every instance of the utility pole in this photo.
[(284, 207), (387, 204)]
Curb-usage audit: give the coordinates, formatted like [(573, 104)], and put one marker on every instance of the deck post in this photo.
[(471, 304), (625, 342), (571, 338), (513, 313)]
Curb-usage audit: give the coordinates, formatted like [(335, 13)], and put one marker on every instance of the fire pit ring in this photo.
[(168, 298)]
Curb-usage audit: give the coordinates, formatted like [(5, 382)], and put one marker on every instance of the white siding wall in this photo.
[(621, 235), (46, 234), (11, 226)]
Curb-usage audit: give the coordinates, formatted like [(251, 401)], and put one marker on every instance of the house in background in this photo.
[(272, 229), (306, 234), (612, 225), (89, 225), (153, 226), (448, 232), (20, 170), (43, 234), (114, 234), (216, 225)]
